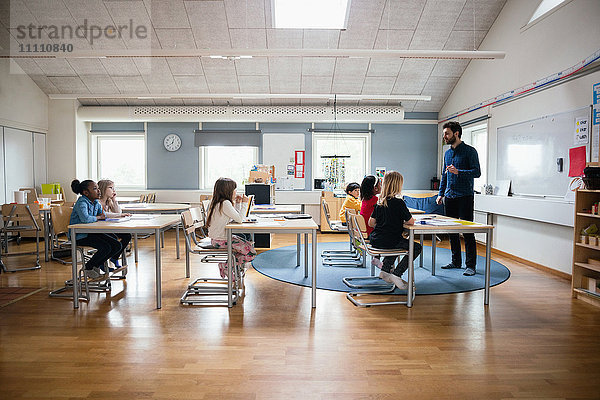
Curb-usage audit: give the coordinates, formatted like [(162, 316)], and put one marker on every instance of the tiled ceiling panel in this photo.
[(181, 27)]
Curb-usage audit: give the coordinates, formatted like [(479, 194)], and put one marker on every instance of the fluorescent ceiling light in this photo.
[(310, 14), (230, 58)]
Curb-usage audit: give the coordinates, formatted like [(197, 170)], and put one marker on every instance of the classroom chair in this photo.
[(345, 258), (205, 290), (32, 196), (353, 297), (16, 220)]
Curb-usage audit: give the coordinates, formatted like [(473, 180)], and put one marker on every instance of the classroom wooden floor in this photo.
[(533, 341)]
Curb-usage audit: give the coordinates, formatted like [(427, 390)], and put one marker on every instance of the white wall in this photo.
[(557, 42), (22, 104)]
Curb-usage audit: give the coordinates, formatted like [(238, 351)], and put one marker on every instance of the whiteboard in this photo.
[(278, 150), (18, 160), (528, 151)]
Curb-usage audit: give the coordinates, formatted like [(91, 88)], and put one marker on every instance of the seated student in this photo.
[(388, 219), (221, 211), (351, 201), (369, 189), (87, 209), (111, 208)]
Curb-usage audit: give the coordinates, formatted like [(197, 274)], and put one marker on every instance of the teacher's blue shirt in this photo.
[(466, 161), (84, 212)]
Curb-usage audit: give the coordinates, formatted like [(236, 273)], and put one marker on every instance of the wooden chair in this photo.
[(205, 290), (372, 251), (60, 217), (32, 196), (18, 219)]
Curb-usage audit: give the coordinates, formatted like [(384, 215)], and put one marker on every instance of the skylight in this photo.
[(310, 14), (544, 7)]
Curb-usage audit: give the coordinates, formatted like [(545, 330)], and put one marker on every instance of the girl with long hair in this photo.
[(224, 207), (112, 209), (369, 189), (388, 219)]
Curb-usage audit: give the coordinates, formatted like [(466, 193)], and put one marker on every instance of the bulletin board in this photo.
[(528, 152)]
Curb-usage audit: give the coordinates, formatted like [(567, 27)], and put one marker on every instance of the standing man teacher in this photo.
[(461, 167)]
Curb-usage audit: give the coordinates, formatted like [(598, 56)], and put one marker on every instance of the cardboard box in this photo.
[(259, 177), (590, 284)]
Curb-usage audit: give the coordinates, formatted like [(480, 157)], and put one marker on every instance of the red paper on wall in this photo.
[(576, 161)]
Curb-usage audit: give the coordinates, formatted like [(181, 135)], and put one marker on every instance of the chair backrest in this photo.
[(21, 217), (61, 216), (143, 198), (205, 197), (151, 198), (32, 196), (326, 212), (356, 236)]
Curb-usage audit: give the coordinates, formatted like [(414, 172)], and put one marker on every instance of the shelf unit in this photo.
[(583, 252)]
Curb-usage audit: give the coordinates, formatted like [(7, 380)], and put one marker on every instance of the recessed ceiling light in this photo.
[(310, 14)]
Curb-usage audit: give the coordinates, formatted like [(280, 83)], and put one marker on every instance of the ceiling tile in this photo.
[(69, 84), (351, 67), (484, 14), (99, 84), (50, 12), (254, 84), (352, 85), (160, 83), (44, 84), (120, 66), (245, 13), (29, 66), (463, 40), (248, 38), (129, 13), (176, 38), (402, 14), (87, 66), (55, 67), (285, 85), (191, 83), (185, 65), (153, 66), (93, 11), (378, 85), (449, 68), (358, 38), (130, 84), (384, 66), (422, 67), (393, 39), (316, 84), (363, 23), (408, 105), (284, 38), (440, 14), (407, 84), (318, 66), (439, 85), (216, 67), (222, 83), (168, 14), (282, 67), (321, 38), (209, 24), (252, 66), (429, 39), (15, 13)]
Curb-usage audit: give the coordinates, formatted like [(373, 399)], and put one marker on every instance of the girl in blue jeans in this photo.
[(87, 209)]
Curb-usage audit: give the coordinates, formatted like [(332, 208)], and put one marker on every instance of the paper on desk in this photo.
[(141, 216), (121, 219)]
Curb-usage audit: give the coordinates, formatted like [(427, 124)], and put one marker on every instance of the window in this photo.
[(356, 145), (310, 14), (545, 7), (232, 162), (476, 136), (120, 158)]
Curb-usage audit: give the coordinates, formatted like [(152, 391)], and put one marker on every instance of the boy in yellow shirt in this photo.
[(352, 200)]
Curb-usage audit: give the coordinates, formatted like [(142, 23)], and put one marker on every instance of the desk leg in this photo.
[(488, 256), (47, 236), (411, 268), (305, 255), (74, 268), (298, 249), (433, 251), (314, 268), (229, 269), (421, 259), (177, 240), (157, 233), (135, 247)]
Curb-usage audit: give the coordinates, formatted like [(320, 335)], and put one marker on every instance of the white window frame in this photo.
[(203, 167), (96, 137), (341, 137), (467, 137)]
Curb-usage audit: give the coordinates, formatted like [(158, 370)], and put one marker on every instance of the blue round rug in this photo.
[(280, 264)]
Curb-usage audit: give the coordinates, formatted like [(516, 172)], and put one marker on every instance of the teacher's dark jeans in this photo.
[(106, 245), (462, 207)]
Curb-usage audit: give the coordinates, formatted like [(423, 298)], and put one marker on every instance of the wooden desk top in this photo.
[(156, 222), (460, 226), (274, 224), (128, 199), (276, 209), (154, 207)]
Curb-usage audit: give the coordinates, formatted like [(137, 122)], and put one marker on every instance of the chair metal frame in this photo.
[(372, 251), (352, 258), (205, 290), (17, 218)]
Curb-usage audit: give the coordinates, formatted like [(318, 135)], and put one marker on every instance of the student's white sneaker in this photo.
[(386, 276), (399, 282)]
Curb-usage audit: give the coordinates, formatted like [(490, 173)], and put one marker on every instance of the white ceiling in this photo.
[(246, 24)]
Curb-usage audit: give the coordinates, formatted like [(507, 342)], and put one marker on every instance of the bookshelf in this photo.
[(586, 256)]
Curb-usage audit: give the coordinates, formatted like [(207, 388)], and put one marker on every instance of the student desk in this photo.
[(270, 225), (128, 199), (276, 209), (155, 208), (462, 227), (156, 225)]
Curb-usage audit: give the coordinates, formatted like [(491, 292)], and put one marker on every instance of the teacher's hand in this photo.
[(452, 169), (439, 200)]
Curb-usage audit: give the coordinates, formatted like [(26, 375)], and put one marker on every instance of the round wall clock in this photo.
[(172, 142)]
